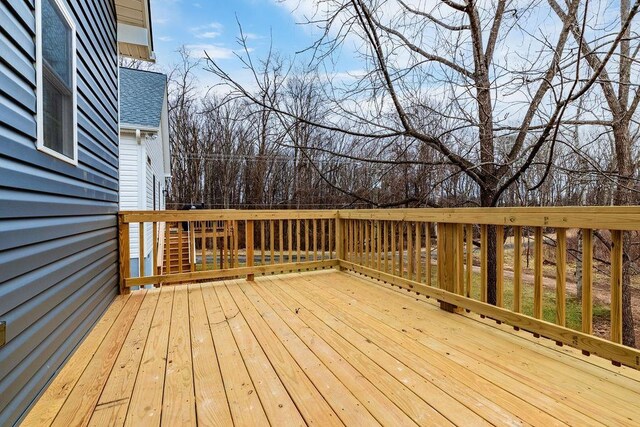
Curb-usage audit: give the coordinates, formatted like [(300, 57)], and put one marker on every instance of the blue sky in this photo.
[(212, 25)]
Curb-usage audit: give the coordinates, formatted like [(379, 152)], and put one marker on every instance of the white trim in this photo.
[(39, 84), (132, 128), (133, 35)]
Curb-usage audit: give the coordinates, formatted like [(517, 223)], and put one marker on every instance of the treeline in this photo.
[(230, 153)]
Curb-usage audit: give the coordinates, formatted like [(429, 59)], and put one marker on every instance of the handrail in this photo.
[(241, 243), (399, 246)]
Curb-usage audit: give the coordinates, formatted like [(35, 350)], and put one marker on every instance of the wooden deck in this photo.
[(322, 348)]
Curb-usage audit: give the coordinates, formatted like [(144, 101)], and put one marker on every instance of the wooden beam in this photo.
[(231, 272)]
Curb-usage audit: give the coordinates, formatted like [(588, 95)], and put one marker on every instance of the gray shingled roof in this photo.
[(141, 97)]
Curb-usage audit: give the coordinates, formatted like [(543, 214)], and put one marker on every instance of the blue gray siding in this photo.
[(58, 228)]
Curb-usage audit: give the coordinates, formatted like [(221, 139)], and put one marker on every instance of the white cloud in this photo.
[(214, 51), (208, 31), (165, 38)]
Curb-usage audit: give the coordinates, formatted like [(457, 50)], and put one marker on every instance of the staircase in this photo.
[(173, 246)]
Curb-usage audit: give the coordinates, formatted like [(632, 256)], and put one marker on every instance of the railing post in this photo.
[(339, 239), (447, 277), (248, 237), (123, 252)]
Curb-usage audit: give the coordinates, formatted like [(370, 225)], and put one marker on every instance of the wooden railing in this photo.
[(440, 253), (224, 244)]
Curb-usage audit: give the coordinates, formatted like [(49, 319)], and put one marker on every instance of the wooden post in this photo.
[(248, 233), (587, 281), (447, 277), (616, 286), (123, 252)]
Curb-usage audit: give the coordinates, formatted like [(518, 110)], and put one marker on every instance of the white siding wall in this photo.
[(153, 150), (129, 182), (136, 182)]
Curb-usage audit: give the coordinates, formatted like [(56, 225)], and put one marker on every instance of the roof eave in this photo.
[(135, 33)]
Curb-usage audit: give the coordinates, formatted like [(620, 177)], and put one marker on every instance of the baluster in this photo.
[(214, 245), (561, 273), (306, 239), (616, 286), (281, 241), (365, 243), (499, 265), (167, 248), (248, 233), (272, 242), (224, 263), (537, 278), (203, 244), (428, 261), (401, 249), (459, 230), (180, 248), (290, 238), (587, 281), (484, 262), (141, 243), (298, 253), (332, 223), (394, 239), (315, 239), (385, 244), (378, 245), (469, 253), (517, 269), (263, 240), (322, 238), (154, 252)]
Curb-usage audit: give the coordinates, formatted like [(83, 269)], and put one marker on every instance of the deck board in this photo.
[(322, 348)]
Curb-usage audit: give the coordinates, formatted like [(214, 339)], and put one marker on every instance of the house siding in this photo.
[(58, 224)]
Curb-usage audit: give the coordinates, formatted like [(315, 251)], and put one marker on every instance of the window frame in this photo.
[(64, 11)]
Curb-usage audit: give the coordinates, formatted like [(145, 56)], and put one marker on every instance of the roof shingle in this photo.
[(141, 97)]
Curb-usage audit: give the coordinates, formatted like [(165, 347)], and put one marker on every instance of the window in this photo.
[(56, 80)]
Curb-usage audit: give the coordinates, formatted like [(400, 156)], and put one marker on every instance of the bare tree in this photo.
[(462, 53)]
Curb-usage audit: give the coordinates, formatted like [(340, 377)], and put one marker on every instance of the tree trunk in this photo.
[(624, 196), (492, 259)]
